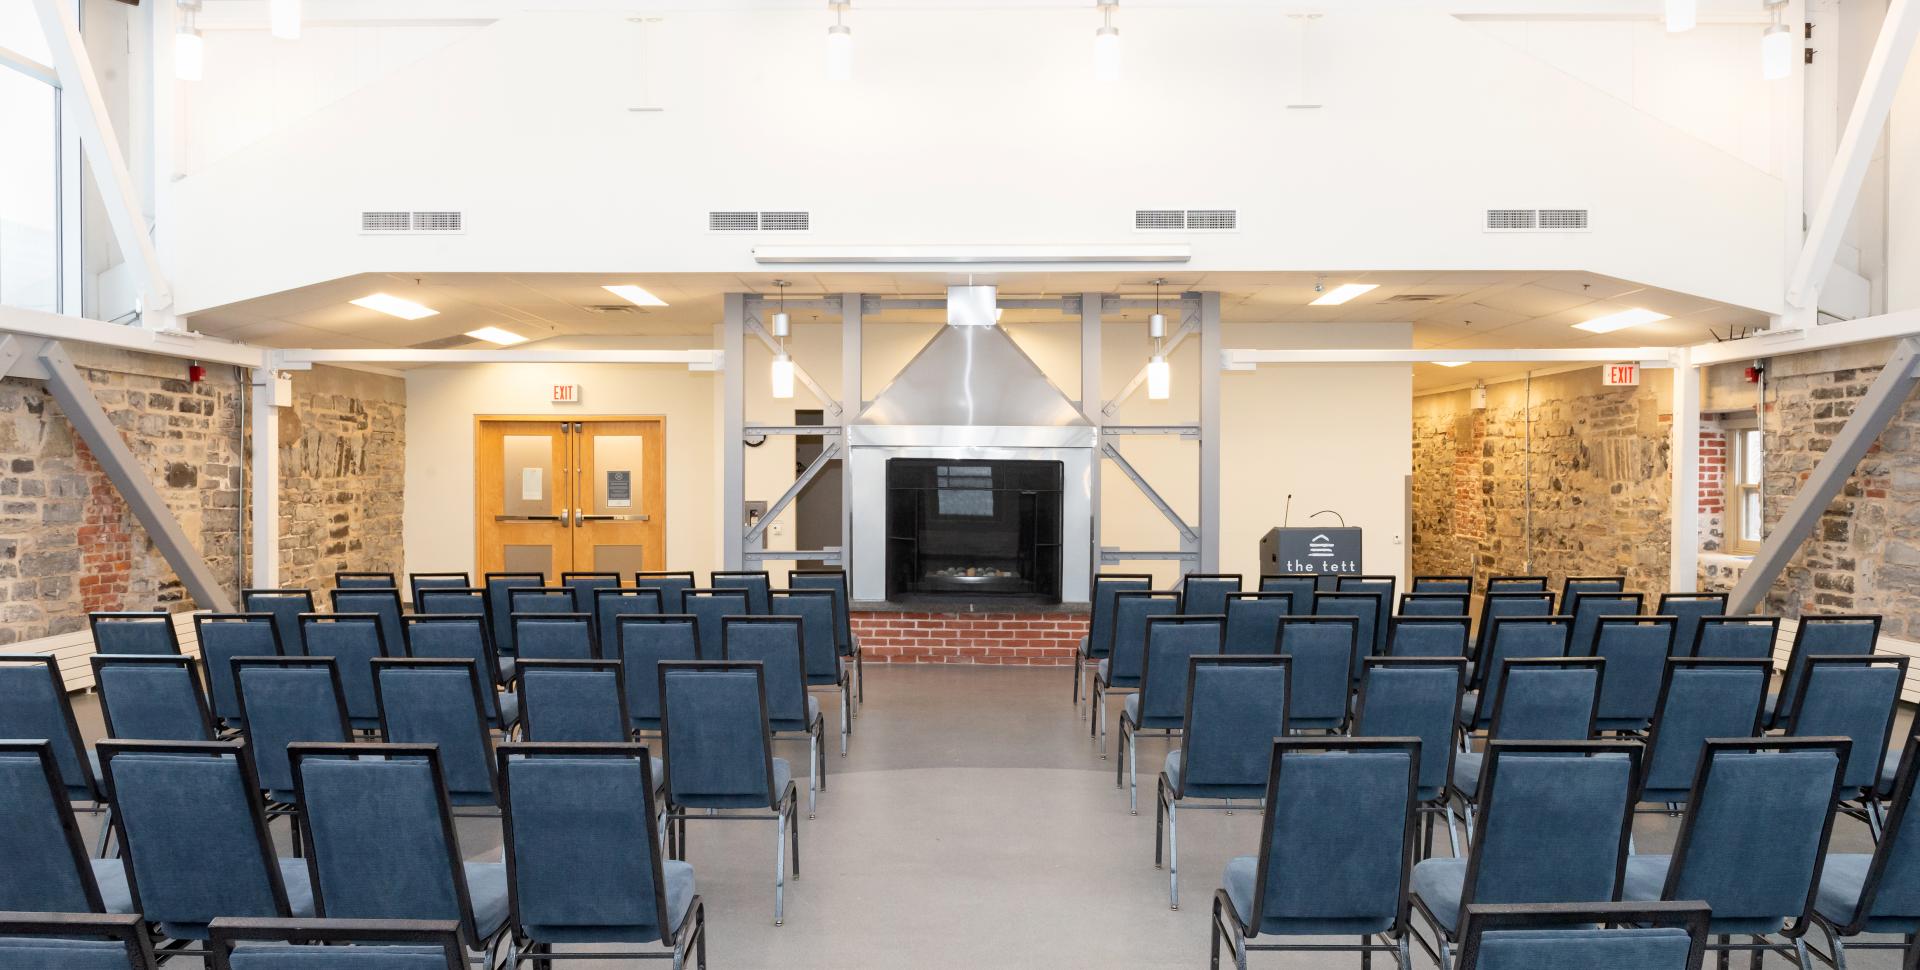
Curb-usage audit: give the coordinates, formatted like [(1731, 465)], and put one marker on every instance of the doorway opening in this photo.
[(587, 494)]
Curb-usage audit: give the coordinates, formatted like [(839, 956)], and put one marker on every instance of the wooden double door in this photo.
[(580, 495)]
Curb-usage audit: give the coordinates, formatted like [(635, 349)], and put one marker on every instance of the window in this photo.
[(29, 170), (1746, 520)]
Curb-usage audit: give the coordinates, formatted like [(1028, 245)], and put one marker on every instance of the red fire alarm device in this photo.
[(1753, 375), (196, 372)]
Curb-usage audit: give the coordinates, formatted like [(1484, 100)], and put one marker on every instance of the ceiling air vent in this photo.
[(1159, 219), (1186, 220), (1537, 220), (1563, 220), (1510, 220), (437, 222), (733, 221), (386, 221), (786, 221), (1213, 218), (1414, 298)]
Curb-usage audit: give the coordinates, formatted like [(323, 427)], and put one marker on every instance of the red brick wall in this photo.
[(1016, 639), (1713, 472)]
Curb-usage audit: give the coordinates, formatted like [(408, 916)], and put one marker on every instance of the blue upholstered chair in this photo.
[(825, 670), (151, 634), (1877, 892), (1539, 699), (1510, 638), (1429, 636), (1556, 820), (1515, 584), (1370, 607), (1434, 604), (1587, 609), (1161, 703), (75, 941), (284, 700), (344, 579), (1854, 698), (473, 602), (1120, 671), (643, 642), (499, 607), (1576, 587), (1820, 636), (672, 586), (1335, 851), (224, 636), (193, 835), (719, 751), (46, 867), (1451, 585), (1497, 606), (1700, 699), (34, 704), (152, 698), (1253, 621), (573, 700), (1585, 936), (354, 641), (553, 636), (1323, 650), (383, 602), (1383, 585), (1098, 643), (609, 605), (1205, 594), (586, 590), (1417, 697), (835, 581), (1746, 637), (756, 582), (584, 860), (463, 636), (1301, 586), (439, 703), (1687, 609), (1776, 795), (709, 607), (540, 599), (416, 582), (778, 645), (1636, 649), (380, 842), (286, 607), (337, 944), (1236, 706)]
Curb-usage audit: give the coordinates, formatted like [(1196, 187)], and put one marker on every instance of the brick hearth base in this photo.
[(1021, 639)]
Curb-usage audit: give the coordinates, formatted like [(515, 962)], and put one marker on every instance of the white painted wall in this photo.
[(1902, 143)]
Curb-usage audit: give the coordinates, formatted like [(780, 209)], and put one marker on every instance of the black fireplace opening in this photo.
[(974, 529)]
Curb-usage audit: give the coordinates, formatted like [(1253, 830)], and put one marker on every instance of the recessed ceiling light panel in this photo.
[(1450, 363), (1344, 292), (394, 306), (496, 335), (635, 295), (1620, 321)]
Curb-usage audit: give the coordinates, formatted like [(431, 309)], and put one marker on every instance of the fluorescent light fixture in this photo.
[(1451, 363), (285, 18), (189, 55), (782, 376), (1344, 292), (1682, 15), (1776, 52), (394, 306), (1620, 321), (1159, 378), (495, 335), (634, 295)]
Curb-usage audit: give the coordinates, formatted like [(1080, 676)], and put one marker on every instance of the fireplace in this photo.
[(977, 529)]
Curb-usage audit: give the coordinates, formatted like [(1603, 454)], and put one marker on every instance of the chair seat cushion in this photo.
[(659, 773), (507, 669), (782, 777), (1439, 883), (1173, 766), (509, 708), (1107, 678), (1238, 881), (111, 875), (1466, 773), (1132, 709), (487, 889), (1841, 883), (1085, 645), (1469, 704), (678, 878), (1647, 879)]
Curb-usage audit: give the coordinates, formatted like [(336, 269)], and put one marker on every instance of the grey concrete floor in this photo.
[(972, 825)]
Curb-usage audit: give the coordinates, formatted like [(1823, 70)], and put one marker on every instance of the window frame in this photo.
[(1744, 436)]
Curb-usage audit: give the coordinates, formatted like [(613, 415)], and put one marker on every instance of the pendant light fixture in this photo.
[(1776, 45), (782, 364), (189, 48), (839, 43), (1682, 15), (1106, 44), (284, 18), (1159, 375)]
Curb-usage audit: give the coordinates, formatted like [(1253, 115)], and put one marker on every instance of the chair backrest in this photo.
[(1130, 613), (1100, 624), (1435, 604), (1824, 636), (1452, 585), (152, 698), (1643, 935), (814, 607), (1577, 586), (586, 586), (834, 581), (224, 636), (776, 644), (379, 835), (1322, 674), (1369, 607), (1302, 586), (193, 832), (1236, 706), (573, 700), (1414, 697), (757, 583), (354, 641), (1552, 829), (1337, 842), (416, 582), (554, 636), (1853, 698), (46, 868), (1428, 636), (671, 586), (541, 599), (284, 700), (1547, 699), (438, 702), (151, 634), (1171, 642), (1687, 609), (286, 607), (1386, 587), (1515, 638), (1701, 698), (1891, 890), (1746, 637), (77, 941), (583, 852), (33, 704), (456, 636), (643, 642), (1588, 608), (1636, 649), (1516, 584), (1498, 606), (499, 587), (253, 944), (343, 579), (1253, 621), (715, 733), (460, 600), (383, 602), (708, 607), (609, 605), (1205, 594), (1773, 792)]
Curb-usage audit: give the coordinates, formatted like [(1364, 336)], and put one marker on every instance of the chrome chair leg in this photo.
[(813, 770), (1173, 855), (1133, 775), (846, 717), (1453, 837), (780, 869)]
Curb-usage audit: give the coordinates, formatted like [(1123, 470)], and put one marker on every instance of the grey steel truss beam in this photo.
[(1188, 537), (1112, 555), (830, 554), (763, 430), (10, 354), (1183, 430), (1189, 325), (800, 373), (827, 453), (1871, 415)]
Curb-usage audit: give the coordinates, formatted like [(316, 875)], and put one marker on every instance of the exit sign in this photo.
[(566, 394), (1622, 375)]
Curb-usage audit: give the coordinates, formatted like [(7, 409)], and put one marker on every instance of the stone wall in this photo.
[(342, 476)]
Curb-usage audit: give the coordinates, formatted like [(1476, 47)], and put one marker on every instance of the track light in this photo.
[(782, 364), (1106, 44), (839, 44), (189, 48), (1159, 375), (1776, 46), (1682, 15), (284, 16)]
